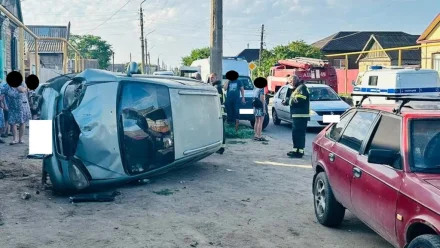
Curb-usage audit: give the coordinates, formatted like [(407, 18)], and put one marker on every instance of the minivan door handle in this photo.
[(331, 157), (357, 172)]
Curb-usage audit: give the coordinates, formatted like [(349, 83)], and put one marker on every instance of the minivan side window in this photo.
[(146, 126), (387, 136), (335, 131), (372, 81), (357, 129)]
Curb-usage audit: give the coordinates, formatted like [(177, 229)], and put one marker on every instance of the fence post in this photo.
[(346, 74), (37, 59), (400, 57), (65, 60), (21, 50)]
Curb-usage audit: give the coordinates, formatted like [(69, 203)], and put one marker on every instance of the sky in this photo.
[(175, 27)]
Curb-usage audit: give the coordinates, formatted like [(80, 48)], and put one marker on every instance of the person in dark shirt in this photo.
[(218, 85), (232, 103)]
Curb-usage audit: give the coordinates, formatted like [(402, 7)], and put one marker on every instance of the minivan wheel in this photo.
[(275, 119), (328, 210), (425, 241)]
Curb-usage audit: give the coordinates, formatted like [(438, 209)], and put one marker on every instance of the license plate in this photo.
[(246, 111)]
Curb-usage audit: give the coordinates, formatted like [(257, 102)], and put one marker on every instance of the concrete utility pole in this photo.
[(261, 47), (158, 66), (149, 63), (216, 40), (142, 38), (113, 61), (146, 56), (130, 57)]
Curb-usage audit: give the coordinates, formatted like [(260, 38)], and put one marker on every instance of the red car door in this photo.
[(348, 147), (375, 187), (339, 171)]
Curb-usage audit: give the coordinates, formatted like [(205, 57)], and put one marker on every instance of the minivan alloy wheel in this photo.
[(320, 195)]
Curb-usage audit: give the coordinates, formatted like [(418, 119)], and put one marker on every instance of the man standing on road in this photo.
[(232, 104), (218, 85), (299, 103)]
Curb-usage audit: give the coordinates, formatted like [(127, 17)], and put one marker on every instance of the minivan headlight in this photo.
[(77, 177), (313, 112)]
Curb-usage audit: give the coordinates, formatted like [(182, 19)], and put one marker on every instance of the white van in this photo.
[(395, 81), (229, 63)]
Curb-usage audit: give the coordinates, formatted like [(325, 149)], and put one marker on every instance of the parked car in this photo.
[(113, 128), (323, 101), (382, 163)]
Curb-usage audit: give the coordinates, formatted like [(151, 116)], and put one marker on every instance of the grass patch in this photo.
[(164, 192), (243, 132)]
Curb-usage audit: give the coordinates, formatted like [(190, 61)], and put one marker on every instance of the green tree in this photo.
[(92, 47), (291, 50), (201, 53)]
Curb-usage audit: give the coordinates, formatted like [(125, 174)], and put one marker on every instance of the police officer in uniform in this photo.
[(299, 103), (218, 85)]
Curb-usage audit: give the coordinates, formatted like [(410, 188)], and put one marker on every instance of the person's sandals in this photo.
[(13, 143), (260, 139)]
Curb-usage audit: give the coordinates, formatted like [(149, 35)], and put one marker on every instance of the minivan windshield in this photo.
[(246, 81), (425, 145), (323, 94)]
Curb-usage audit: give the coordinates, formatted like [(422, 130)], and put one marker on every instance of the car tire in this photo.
[(328, 210), (425, 241), (275, 119)]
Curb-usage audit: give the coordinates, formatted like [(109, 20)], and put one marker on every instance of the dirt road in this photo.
[(248, 197)]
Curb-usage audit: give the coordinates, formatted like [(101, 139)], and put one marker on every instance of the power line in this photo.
[(111, 16)]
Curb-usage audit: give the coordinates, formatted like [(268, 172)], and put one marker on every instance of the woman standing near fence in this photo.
[(19, 110)]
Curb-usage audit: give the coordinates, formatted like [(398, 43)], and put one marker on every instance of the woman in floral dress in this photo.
[(2, 118), (19, 110)]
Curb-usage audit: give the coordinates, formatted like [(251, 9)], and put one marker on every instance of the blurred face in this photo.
[(212, 78)]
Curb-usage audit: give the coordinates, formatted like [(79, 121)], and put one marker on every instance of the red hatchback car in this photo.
[(382, 163)]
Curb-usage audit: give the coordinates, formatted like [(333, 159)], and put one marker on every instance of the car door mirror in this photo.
[(382, 156), (343, 98), (353, 83)]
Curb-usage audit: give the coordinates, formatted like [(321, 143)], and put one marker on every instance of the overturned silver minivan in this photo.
[(114, 128)]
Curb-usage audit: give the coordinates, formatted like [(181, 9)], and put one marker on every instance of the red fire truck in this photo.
[(310, 70)]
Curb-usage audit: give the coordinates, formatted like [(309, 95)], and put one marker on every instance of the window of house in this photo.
[(339, 63), (357, 129), (335, 131), (387, 136), (372, 80), (436, 62)]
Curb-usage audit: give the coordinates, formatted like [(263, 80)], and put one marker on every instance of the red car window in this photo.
[(425, 145), (387, 136), (335, 131), (357, 129)]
